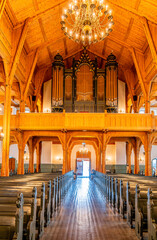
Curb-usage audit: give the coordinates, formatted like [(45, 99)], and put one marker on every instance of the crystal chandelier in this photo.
[(87, 21), (83, 149)]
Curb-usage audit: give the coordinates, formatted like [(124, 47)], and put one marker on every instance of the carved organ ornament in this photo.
[(84, 87)]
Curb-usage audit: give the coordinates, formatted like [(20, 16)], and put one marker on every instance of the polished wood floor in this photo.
[(85, 215)]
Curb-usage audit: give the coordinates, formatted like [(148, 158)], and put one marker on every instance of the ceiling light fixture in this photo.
[(87, 21)]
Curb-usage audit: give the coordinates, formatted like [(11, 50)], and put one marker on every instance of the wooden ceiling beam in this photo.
[(18, 50), (138, 70), (129, 81), (123, 43), (46, 44), (72, 54), (97, 54), (150, 39), (2, 6), (31, 71), (39, 78), (131, 11)]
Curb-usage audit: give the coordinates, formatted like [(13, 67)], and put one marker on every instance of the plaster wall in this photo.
[(110, 154), (56, 154)]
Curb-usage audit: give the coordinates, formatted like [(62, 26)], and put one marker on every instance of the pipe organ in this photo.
[(111, 68), (57, 83), (84, 87)]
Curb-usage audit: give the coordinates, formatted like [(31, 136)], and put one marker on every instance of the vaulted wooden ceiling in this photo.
[(133, 41)]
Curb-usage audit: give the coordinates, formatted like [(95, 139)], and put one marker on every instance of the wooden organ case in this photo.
[(85, 87)]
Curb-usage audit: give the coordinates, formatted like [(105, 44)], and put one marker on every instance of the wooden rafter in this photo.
[(18, 50), (72, 54), (129, 77), (30, 73), (149, 39), (39, 78), (2, 6), (138, 70)]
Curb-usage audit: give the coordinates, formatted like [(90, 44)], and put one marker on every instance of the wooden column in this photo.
[(65, 153), (147, 105), (147, 147), (98, 159), (31, 156), (100, 166), (69, 160), (6, 131), (136, 152), (22, 106), (104, 145), (129, 151), (38, 152), (2, 6), (21, 148)]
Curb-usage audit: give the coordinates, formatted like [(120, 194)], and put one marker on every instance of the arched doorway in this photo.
[(83, 163)]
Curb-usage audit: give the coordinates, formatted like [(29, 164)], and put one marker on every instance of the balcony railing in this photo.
[(82, 121)]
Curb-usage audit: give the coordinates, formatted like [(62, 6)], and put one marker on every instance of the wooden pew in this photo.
[(38, 203), (152, 215), (11, 226)]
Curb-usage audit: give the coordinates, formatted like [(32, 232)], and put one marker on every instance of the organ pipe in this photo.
[(111, 69), (57, 83)]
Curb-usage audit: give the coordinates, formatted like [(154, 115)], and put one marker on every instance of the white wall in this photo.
[(56, 154), (76, 149), (111, 154), (47, 96), (154, 152), (132, 157), (13, 151), (120, 153), (46, 152), (121, 97)]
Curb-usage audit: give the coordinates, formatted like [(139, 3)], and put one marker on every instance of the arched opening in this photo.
[(13, 158), (83, 162), (142, 159), (26, 159)]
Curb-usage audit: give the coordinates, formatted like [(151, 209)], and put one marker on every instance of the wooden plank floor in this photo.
[(85, 215)]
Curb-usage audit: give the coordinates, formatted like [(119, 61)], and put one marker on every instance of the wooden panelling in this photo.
[(82, 121)]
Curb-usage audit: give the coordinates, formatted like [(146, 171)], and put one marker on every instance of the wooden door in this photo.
[(11, 164)]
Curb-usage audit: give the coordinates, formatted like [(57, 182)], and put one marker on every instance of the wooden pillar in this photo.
[(21, 148), (136, 152), (104, 145), (6, 131), (69, 160), (38, 152), (147, 147), (98, 159), (31, 156), (100, 166), (129, 151), (147, 105), (65, 153), (22, 106)]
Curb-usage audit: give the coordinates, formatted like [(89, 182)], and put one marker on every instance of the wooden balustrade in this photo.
[(83, 121)]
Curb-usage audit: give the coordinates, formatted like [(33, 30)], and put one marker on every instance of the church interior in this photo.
[(78, 119)]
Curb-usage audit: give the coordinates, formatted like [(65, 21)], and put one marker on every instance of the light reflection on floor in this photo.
[(85, 215)]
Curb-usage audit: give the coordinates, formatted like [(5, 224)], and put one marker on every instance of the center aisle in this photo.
[(85, 215)]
